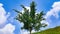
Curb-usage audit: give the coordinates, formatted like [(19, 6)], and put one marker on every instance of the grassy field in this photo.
[(55, 30)]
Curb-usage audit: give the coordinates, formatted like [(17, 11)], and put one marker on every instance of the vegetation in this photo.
[(30, 19), (55, 30)]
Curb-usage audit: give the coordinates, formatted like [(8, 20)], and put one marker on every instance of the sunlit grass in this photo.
[(55, 30)]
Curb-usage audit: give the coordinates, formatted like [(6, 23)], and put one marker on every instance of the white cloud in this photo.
[(8, 29), (56, 4), (3, 16), (26, 32), (1, 4), (54, 11), (23, 32), (45, 22)]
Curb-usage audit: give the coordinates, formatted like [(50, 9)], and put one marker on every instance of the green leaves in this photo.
[(32, 9), (31, 20)]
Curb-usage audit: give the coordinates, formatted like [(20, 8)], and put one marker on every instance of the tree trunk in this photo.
[(30, 31)]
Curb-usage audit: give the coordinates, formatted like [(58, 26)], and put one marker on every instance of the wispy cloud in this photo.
[(54, 11)]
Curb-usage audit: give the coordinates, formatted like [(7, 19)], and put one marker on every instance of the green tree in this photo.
[(30, 19)]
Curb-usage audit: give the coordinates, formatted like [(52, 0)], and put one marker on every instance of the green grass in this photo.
[(55, 30)]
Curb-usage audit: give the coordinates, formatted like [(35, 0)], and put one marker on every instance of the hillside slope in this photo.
[(55, 30)]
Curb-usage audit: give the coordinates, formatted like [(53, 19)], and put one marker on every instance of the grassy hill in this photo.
[(55, 30)]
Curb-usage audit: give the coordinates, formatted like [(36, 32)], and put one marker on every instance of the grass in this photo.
[(55, 30)]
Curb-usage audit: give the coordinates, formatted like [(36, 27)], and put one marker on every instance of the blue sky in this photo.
[(50, 7)]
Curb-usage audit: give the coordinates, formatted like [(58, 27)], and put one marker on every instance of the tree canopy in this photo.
[(30, 19)]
